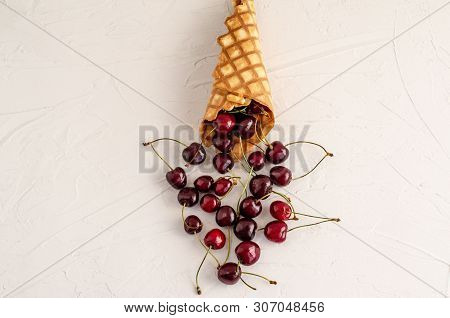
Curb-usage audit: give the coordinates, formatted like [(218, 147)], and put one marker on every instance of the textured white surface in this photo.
[(69, 145)]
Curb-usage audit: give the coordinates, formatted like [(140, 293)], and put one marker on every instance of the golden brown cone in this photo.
[(240, 76)]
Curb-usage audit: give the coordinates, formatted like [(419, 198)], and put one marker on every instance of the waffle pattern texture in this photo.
[(240, 75)]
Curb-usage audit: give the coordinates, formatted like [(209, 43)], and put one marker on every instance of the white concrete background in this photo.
[(79, 220)]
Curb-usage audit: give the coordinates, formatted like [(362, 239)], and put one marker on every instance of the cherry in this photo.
[(260, 186), (256, 160), (248, 253), (194, 154), (280, 210), (223, 163), (225, 216), (229, 273), (215, 239), (246, 127), (209, 203), (188, 196), (250, 207), (255, 108), (281, 176), (276, 231), (192, 224), (245, 229), (222, 186), (203, 183), (177, 178), (224, 123), (277, 153), (223, 142)]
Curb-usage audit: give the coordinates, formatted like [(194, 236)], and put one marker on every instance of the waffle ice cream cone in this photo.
[(240, 77)]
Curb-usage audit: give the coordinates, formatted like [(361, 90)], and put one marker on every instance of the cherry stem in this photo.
[(241, 110), (272, 282), (182, 216), (327, 154), (247, 284), (243, 153), (263, 140), (256, 145), (145, 144), (160, 157), (199, 291), (313, 216), (207, 249), (242, 193), (229, 245), (284, 196), (312, 224), (150, 143)]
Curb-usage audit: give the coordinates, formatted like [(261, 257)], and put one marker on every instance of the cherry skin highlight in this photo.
[(280, 210), (276, 231), (250, 207), (229, 273), (194, 154), (203, 183), (215, 239), (277, 153), (223, 163), (192, 224), (248, 253), (188, 196), (281, 176), (245, 229), (224, 123), (209, 203), (256, 160), (260, 186), (222, 186), (223, 142), (226, 216), (177, 178)]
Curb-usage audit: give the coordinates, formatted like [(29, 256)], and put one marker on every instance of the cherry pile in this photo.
[(228, 129)]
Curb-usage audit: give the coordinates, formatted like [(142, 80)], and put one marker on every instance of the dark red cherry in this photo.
[(248, 253), (224, 123), (225, 216), (250, 207), (209, 203), (188, 196), (222, 186), (260, 186), (223, 163), (281, 176), (277, 153), (229, 273), (223, 142), (276, 231), (203, 183), (255, 108), (280, 210), (194, 154), (256, 160), (215, 239), (177, 178), (193, 224), (246, 127), (245, 229)]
